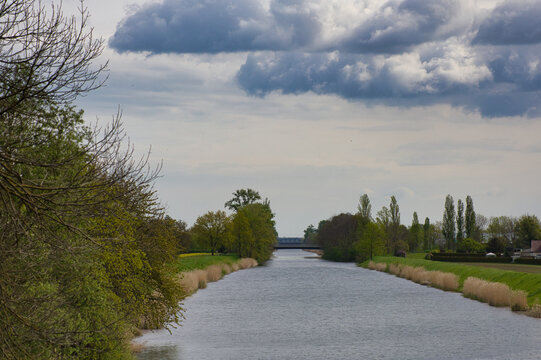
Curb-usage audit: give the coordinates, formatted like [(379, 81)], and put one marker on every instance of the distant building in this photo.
[(536, 246), (534, 252)]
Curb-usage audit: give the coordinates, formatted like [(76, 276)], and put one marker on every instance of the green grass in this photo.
[(531, 283), (190, 263), (416, 256)]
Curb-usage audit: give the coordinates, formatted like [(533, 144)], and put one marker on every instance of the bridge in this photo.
[(294, 243)]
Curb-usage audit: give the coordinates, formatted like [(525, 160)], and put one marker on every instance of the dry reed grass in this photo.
[(226, 269), (198, 279), (247, 263), (371, 265), (214, 273), (438, 279), (136, 347), (495, 294)]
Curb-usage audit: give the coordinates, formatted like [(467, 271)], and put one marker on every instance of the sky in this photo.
[(315, 102)]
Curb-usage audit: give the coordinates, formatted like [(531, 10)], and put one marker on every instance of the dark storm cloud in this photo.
[(514, 22), (400, 53), (505, 90), (212, 26), (400, 25)]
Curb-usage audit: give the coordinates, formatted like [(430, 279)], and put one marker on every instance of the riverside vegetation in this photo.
[(85, 246), (519, 291)]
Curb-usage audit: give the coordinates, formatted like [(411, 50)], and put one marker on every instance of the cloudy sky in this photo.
[(315, 102)]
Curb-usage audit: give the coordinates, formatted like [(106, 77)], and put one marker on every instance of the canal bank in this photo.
[(519, 290)]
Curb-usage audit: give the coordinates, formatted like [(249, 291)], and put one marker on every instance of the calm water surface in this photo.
[(301, 308)]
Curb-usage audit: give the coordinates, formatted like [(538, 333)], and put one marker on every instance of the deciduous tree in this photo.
[(448, 223)]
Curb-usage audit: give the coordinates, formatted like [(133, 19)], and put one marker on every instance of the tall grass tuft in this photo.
[(214, 273), (226, 269), (372, 265), (438, 279), (247, 263), (192, 280), (495, 294)]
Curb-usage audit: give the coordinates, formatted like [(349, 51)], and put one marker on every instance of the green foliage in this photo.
[(310, 235), (459, 221), (448, 225), (528, 228), (371, 242), (337, 236), (364, 209), (469, 245), (469, 218), (252, 232), (189, 263), (241, 198), (495, 245), (415, 235), (210, 230)]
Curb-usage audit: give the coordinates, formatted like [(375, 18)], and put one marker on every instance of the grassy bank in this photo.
[(527, 282)]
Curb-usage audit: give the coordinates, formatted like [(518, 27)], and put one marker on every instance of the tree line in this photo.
[(360, 236), (84, 242), (249, 232)]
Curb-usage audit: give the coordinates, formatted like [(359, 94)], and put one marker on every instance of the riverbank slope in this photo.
[(516, 281)]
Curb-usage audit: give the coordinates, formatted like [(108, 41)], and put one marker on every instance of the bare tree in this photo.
[(45, 55)]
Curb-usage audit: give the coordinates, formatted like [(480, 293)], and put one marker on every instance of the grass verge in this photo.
[(201, 261), (527, 282)]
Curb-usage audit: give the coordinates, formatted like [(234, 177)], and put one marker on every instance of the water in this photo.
[(299, 308)]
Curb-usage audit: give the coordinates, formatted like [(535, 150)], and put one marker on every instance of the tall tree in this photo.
[(426, 235), (469, 218), (310, 234), (414, 238), (460, 221), (448, 224), (241, 198), (365, 209), (395, 212), (371, 243), (210, 229)]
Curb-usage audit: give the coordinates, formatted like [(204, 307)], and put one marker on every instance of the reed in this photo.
[(247, 263), (371, 265), (495, 294), (438, 279), (193, 280), (214, 273), (226, 269)]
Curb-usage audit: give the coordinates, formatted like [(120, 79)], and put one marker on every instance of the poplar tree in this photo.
[(365, 209), (460, 221), (426, 234), (469, 218), (415, 233), (448, 223)]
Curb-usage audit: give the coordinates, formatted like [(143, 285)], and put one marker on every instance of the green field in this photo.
[(515, 279), (182, 264)]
